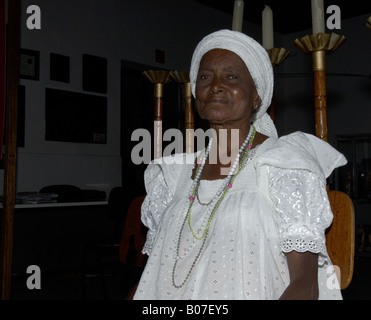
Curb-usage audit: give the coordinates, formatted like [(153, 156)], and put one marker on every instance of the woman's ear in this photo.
[(257, 103)]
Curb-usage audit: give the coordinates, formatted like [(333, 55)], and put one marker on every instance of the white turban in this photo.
[(257, 61)]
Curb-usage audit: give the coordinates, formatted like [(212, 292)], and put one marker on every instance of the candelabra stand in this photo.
[(340, 249), (183, 78), (158, 78), (277, 56), (318, 45)]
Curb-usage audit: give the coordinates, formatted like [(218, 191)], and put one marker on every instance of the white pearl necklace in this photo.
[(234, 166), (210, 209)]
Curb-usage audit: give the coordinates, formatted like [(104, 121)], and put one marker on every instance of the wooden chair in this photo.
[(340, 236), (107, 248), (132, 241)]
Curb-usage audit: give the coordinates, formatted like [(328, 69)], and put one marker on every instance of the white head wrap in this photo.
[(257, 61)]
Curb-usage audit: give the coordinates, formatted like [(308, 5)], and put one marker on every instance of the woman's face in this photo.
[(225, 91)]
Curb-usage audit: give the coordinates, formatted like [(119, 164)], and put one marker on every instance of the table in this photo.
[(58, 204), (53, 235)]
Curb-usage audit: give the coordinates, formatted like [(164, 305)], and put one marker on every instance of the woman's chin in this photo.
[(215, 118)]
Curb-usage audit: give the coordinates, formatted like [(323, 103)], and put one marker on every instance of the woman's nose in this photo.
[(216, 86)]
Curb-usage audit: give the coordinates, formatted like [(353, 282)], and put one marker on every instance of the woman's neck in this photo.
[(228, 139), (218, 164)]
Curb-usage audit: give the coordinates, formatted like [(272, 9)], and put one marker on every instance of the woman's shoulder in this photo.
[(168, 169), (173, 163), (300, 150)]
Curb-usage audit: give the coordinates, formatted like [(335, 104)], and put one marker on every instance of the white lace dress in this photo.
[(278, 203)]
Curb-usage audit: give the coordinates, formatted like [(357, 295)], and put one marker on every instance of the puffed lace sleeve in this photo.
[(159, 195), (303, 211), (292, 174)]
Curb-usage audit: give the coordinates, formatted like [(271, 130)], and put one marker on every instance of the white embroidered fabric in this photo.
[(154, 205), (303, 210), (269, 211)]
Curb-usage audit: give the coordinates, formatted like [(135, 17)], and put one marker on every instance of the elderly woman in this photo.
[(256, 232)]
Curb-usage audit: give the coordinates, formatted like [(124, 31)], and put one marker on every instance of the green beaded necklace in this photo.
[(228, 185)]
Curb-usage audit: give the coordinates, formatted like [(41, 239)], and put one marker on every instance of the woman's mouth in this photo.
[(216, 101)]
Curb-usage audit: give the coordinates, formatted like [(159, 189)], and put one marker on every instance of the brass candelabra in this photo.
[(319, 45), (158, 78)]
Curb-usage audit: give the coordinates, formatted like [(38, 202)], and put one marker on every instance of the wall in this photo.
[(117, 30), (131, 30)]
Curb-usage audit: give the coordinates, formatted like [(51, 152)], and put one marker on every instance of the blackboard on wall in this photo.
[(75, 117)]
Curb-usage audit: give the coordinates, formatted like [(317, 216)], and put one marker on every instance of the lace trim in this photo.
[(303, 211), (147, 248), (299, 244)]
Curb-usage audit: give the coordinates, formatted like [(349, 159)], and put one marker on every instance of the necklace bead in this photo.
[(220, 195)]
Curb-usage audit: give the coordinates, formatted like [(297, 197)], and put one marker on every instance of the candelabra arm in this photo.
[(277, 55), (319, 45), (320, 42)]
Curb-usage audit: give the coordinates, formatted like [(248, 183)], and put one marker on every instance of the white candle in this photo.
[(157, 139), (318, 17), (267, 17), (237, 15)]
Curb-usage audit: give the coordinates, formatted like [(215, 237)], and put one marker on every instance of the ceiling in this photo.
[(289, 15)]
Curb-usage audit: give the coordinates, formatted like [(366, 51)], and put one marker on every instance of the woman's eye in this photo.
[(232, 76), (204, 77)]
